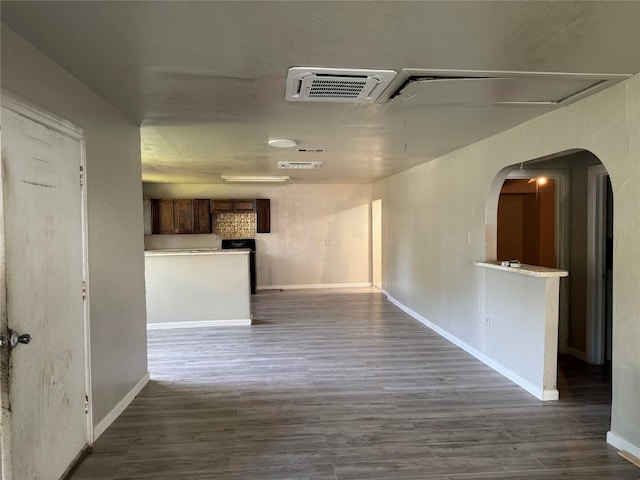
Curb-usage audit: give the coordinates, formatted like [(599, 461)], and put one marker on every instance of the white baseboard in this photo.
[(621, 443), (578, 354), (314, 285), (201, 323), (540, 394), (119, 408)]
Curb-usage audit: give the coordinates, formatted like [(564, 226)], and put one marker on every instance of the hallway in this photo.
[(340, 384)]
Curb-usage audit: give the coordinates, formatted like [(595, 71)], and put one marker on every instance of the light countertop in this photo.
[(531, 270), (196, 251)]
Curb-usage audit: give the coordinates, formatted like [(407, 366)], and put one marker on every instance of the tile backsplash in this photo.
[(235, 225)]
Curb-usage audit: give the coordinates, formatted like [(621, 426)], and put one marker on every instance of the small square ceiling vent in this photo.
[(299, 165), (307, 84)]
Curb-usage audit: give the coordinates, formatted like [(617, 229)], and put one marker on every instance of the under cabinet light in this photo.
[(255, 178)]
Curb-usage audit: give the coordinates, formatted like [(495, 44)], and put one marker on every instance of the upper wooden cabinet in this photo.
[(233, 206), (195, 215), (263, 209), (162, 216), (183, 216), (244, 206), (202, 216), (222, 206), (180, 216)]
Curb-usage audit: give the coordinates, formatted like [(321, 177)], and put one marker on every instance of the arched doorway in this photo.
[(583, 246)]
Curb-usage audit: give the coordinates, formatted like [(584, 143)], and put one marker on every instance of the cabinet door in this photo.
[(222, 206), (183, 216), (245, 206), (202, 216), (263, 209), (162, 216)]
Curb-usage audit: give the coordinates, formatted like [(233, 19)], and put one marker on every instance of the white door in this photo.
[(46, 428)]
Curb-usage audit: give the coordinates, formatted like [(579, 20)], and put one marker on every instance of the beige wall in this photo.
[(114, 192), (320, 234), (436, 224)]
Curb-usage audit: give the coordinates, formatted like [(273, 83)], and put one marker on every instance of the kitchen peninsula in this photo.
[(197, 287)]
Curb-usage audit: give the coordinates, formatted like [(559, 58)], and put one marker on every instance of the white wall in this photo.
[(435, 226), (114, 193), (304, 218)]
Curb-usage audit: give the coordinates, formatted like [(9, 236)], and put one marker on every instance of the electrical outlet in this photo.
[(327, 243), (488, 323)]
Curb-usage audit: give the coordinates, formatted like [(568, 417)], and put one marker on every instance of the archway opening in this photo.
[(583, 240)]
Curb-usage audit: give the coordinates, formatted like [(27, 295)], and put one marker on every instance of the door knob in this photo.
[(16, 339)]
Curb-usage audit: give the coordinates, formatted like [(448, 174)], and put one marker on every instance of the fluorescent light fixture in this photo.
[(255, 178), (282, 143)]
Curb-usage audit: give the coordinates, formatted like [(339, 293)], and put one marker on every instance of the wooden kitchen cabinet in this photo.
[(244, 206), (162, 216), (202, 216), (222, 206), (233, 206), (183, 216), (263, 220), (180, 216)]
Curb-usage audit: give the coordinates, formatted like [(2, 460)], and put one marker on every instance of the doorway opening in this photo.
[(584, 247), (599, 265), (376, 243)]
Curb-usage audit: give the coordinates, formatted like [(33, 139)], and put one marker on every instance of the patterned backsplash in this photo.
[(235, 225)]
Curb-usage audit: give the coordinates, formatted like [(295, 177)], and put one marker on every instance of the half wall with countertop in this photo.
[(196, 288)]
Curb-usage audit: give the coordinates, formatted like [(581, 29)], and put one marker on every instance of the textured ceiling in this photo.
[(206, 80)]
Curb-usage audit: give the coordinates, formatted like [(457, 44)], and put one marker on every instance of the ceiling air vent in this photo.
[(311, 150), (305, 84), (473, 87), (299, 165)]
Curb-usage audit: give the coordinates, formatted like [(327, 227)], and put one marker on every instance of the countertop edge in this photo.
[(170, 253), (530, 270)]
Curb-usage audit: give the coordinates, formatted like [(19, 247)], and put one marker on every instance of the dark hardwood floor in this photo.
[(343, 385)]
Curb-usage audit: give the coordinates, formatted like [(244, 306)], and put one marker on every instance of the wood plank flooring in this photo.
[(341, 385)]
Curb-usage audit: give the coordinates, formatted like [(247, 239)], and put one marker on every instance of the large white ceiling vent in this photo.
[(482, 88), (349, 85)]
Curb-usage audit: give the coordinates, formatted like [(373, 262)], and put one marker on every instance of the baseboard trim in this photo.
[(623, 444), (544, 395), (198, 324), (314, 285), (578, 354), (103, 424)]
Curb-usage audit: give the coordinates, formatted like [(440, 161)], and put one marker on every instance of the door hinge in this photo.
[(81, 175), (84, 290), (86, 404)]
